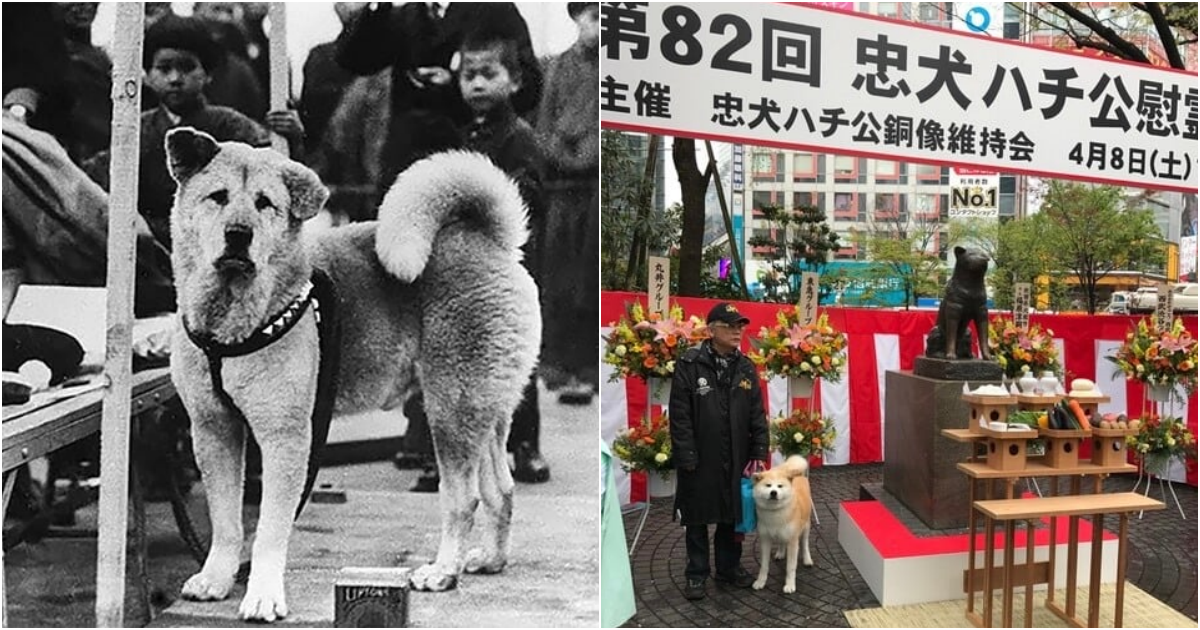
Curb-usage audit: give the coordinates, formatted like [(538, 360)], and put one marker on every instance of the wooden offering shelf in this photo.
[(1062, 446), (986, 409), (1035, 402), (1006, 449), (1108, 446)]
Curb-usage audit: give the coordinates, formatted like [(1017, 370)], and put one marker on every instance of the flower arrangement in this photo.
[(1019, 350), (1159, 440), (1158, 357), (790, 348), (802, 433), (646, 447), (647, 345)]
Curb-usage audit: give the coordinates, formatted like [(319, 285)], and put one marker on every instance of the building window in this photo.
[(846, 207), (887, 171), (929, 173), (887, 206), (809, 199), (845, 168), (763, 198), (925, 206)]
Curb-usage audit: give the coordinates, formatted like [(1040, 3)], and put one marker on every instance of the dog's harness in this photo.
[(318, 292)]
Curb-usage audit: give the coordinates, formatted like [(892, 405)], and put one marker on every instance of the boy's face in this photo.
[(484, 81), (588, 23), (178, 77)]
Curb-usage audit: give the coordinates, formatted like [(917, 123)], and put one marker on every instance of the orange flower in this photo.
[(649, 362)]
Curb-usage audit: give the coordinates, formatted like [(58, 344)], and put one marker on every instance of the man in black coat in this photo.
[(717, 427)]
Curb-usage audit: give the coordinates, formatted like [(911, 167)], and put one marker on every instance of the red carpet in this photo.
[(894, 540)]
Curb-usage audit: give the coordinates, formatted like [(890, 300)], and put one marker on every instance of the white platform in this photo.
[(912, 579)]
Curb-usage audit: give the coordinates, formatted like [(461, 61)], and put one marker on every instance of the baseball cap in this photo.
[(727, 313)]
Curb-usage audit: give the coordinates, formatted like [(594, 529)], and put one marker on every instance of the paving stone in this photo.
[(1162, 562)]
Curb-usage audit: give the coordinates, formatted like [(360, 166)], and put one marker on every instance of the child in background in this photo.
[(488, 77), (179, 57)]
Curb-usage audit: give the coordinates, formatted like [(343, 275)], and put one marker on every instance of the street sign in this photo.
[(802, 76)]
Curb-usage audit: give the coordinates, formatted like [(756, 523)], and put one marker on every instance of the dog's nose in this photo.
[(774, 494), (238, 237)]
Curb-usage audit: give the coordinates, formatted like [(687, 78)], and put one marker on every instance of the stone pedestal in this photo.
[(919, 464)]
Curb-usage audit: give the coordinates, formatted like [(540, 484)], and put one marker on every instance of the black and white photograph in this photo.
[(298, 314)]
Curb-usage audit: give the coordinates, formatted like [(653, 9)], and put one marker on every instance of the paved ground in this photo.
[(1162, 562), (552, 579)]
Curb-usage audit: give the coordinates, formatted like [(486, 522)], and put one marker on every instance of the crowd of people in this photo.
[(399, 83)]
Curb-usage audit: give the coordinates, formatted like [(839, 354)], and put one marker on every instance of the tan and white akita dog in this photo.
[(432, 293), (783, 500)]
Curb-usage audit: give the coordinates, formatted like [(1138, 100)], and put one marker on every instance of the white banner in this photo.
[(808, 77)]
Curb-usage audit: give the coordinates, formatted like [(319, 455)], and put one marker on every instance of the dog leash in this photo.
[(320, 292)]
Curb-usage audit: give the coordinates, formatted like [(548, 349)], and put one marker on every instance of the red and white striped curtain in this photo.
[(878, 341)]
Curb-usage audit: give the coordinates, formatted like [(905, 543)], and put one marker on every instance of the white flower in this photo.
[(660, 458), (1170, 441), (798, 437), (1141, 368), (835, 361), (805, 367), (621, 350), (671, 366)]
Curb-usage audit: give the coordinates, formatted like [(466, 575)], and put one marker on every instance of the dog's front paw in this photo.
[(789, 587), (207, 587), (759, 584), (434, 577), (480, 561), (264, 601)]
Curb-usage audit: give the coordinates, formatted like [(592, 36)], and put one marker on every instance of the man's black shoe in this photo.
[(741, 578), (694, 589), (529, 465), (427, 482)]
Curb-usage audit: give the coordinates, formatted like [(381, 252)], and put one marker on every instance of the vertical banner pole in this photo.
[(1164, 307), (658, 285), (1021, 295), (280, 89), (113, 518)]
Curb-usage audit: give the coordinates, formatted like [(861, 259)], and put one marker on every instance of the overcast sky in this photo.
[(312, 23)]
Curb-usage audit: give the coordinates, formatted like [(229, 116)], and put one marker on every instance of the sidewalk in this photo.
[(1162, 562), (551, 580)]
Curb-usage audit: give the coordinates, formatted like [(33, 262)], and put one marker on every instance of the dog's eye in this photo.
[(220, 197), (262, 203)]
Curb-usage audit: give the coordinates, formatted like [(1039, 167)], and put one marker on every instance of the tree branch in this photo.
[(1164, 33), (1125, 49)]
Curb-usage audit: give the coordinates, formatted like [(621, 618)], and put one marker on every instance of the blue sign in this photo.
[(978, 19)]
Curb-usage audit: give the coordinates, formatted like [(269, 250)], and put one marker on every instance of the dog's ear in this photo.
[(959, 250), (757, 477), (308, 193), (188, 151)]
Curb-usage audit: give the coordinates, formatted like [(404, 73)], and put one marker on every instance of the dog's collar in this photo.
[(275, 328)]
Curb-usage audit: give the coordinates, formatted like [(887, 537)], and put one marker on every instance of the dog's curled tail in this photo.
[(445, 188), (797, 465)]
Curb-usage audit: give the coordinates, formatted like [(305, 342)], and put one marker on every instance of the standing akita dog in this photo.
[(783, 503), (433, 293)]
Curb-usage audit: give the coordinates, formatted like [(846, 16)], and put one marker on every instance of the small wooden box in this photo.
[(985, 409), (1033, 402), (1108, 446), (371, 598), (1062, 447), (1006, 449)]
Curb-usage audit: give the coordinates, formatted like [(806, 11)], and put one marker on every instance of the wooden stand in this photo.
[(1108, 446), (1006, 449), (1091, 407), (985, 409), (1062, 447), (1033, 402), (1031, 511)]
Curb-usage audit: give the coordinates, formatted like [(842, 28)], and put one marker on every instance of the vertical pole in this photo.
[(113, 516), (280, 89)]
